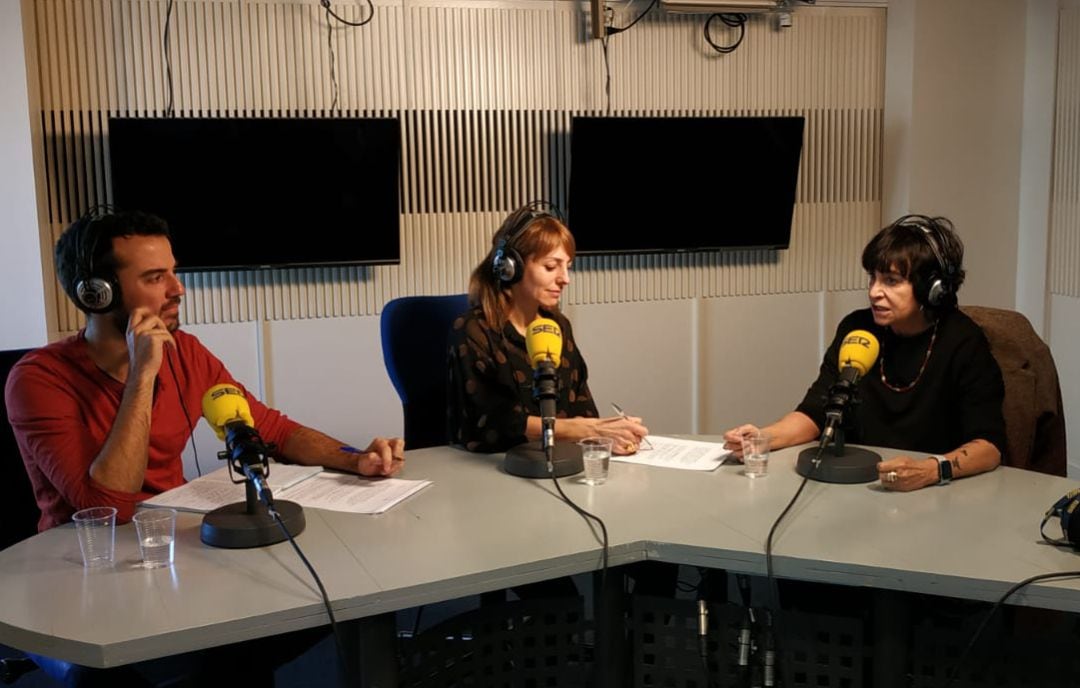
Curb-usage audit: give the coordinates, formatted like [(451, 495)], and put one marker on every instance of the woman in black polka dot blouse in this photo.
[(491, 406)]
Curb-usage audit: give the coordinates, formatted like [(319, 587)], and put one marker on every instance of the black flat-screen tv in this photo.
[(670, 184), (252, 193)]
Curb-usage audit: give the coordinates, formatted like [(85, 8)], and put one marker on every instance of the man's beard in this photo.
[(120, 317)]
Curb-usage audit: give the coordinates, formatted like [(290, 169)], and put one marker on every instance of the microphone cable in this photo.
[(183, 407), (342, 657), (587, 516), (773, 587), (951, 678)]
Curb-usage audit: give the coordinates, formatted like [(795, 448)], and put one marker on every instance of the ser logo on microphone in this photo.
[(545, 328), (219, 391), (857, 340)]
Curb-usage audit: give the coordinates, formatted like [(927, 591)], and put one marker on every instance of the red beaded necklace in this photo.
[(922, 368)]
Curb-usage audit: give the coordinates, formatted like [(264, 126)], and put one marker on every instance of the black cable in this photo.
[(346, 22), (612, 30), (586, 515), (773, 588), (331, 14), (183, 407), (607, 74), (416, 622), (342, 657), (737, 20), (168, 61), (333, 67), (989, 615)]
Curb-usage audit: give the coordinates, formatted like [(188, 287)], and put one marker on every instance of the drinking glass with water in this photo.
[(756, 455), (156, 529)]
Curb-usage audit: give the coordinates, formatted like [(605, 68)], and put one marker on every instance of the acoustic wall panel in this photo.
[(486, 92)]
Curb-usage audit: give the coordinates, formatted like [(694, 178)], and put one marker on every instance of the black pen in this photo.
[(623, 415)]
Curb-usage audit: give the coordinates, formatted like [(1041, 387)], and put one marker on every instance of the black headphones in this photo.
[(507, 264), (1065, 509), (938, 289), (94, 292)]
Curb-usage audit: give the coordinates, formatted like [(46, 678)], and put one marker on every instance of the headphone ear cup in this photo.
[(97, 295), (508, 265), (935, 291)]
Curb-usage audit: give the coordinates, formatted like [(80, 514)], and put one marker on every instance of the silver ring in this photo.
[(891, 477)]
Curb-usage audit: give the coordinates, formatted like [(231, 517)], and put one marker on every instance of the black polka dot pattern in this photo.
[(490, 383)]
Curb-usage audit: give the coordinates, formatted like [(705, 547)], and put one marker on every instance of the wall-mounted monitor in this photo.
[(250, 193), (669, 184)]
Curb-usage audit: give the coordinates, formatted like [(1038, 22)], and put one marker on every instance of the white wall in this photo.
[(22, 291), (969, 114), (954, 133), (1064, 334)]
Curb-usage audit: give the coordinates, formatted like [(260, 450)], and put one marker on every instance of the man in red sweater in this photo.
[(102, 417)]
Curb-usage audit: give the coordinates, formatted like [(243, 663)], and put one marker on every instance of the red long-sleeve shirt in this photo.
[(62, 406)]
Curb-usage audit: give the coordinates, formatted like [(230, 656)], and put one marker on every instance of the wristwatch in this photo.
[(944, 467)]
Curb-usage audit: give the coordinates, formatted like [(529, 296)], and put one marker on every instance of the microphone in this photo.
[(258, 520), (858, 352), (229, 414), (543, 342)]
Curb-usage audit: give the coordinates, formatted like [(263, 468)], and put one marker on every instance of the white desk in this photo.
[(477, 529)]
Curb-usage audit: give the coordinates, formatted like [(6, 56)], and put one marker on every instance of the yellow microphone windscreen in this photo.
[(543, 340), (859, 350), (224, 403)]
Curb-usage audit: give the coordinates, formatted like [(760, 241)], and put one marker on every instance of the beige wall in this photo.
[(956, 141), (22, 289)]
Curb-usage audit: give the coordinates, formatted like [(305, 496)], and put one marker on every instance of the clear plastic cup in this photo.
[(96, 528), (596, 455), (756, 455), (156, 529)]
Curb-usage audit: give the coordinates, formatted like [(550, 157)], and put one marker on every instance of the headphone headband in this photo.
[(507, 264), (940, 288)]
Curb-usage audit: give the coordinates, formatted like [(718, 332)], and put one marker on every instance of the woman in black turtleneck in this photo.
[(935, 387)]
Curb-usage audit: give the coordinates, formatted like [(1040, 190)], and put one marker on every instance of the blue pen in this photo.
[(353, 450)]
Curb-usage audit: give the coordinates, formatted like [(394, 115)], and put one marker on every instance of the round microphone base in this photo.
[(528, 461), (855, 465), (232, 527)]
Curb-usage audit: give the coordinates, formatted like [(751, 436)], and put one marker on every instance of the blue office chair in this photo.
[(415, 332)]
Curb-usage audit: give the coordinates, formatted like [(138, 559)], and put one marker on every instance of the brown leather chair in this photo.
[(1034, 419)]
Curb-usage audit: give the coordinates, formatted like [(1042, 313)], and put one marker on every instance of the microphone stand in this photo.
[(252, 522), (847, 464), (550, 458)]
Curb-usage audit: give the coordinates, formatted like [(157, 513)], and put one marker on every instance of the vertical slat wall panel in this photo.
[(486, 93), (1065, 193)]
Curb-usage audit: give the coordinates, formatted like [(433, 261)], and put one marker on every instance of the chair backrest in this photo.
[(1034, 417), (415, 332), (21, 512)]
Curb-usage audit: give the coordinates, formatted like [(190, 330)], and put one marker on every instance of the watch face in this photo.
[(944, 469)]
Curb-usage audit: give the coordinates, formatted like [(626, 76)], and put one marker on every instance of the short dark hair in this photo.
[(905, 246), (85, 249)]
